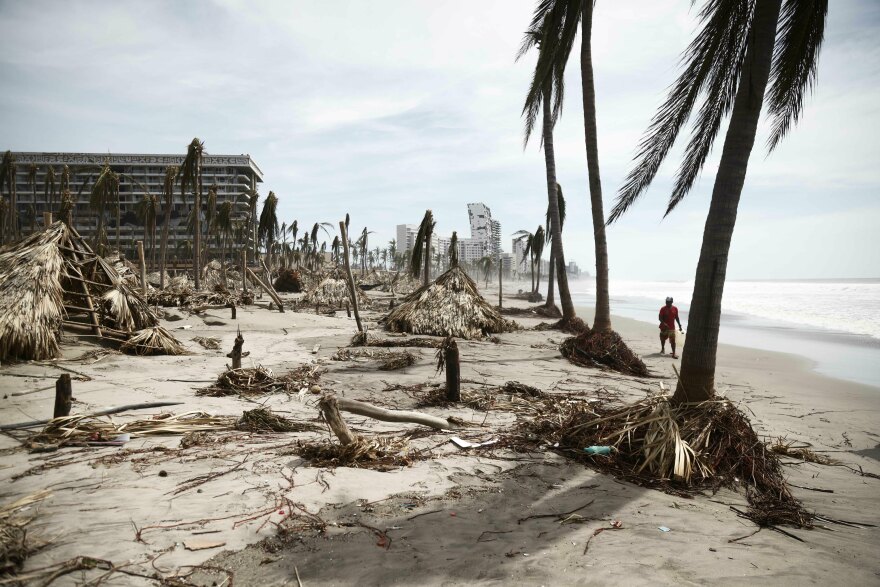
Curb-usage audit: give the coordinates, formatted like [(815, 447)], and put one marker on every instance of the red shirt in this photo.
[(668, 315)]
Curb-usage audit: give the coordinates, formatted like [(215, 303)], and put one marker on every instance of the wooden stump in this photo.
[(232, 307), (235, 355), (330, 410), (140, 251), (453, 371), (63, 396)]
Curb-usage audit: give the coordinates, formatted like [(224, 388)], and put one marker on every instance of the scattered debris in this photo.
[(210, 343), (603, 350), (261, 420), (260, 380)]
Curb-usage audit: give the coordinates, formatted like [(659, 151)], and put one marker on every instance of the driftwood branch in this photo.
[(330, 410), (364, 409), (106, 412), (268, 289)]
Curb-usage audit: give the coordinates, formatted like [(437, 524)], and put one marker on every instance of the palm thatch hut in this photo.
[(289, 281), (52, 280), (450, 306), (332, 291)]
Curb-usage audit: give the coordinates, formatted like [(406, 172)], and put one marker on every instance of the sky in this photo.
[(384, 109)]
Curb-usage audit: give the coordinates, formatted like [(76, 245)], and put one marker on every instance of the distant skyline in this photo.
[(384, 109)]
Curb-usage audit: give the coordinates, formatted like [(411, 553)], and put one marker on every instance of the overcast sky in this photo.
[(385, 108)]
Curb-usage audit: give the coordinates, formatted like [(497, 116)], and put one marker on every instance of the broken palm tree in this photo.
[(676, 447), (52, 280), (450, 306)]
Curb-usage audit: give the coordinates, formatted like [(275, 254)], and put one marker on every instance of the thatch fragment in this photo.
[(332, 291), (363, 339), (261, 420), (450, 306), (210, 343), (153, 341), (386, 360), (16, 543), (289, 281), (604, 350), (382, 453), (260, 380)]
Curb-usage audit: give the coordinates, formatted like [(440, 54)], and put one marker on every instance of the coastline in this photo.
[(439, 508)]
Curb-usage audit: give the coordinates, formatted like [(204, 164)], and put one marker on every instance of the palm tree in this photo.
[(486, 265), (557, 21), (191, 177), (168, 192), (32, 182), (267, 231), (392, 252), (545, 86), (527, 238), (735, 56), (50, 186), (105, 190), (224, 226), (210, 217), (147, 210), (421, 252), (8, 169), (362, 245), (551, 273), (538, 250)]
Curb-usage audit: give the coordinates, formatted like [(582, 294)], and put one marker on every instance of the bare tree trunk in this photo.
[(165, 244), (697, 382), (550, 160), (352, 288), (429, 232), (602, 320), (330, 410), (197, 237), (551, 276)]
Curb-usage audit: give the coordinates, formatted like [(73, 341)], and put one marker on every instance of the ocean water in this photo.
[(834, 323)]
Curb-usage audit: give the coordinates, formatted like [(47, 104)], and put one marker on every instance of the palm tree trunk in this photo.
[(197, 237), (551, 276), (428, 234), (697, 382), (602, 320), (550, 160), (164, 245)]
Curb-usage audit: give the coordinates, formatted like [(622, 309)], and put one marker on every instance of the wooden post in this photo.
[(500, 266), (352, 292), (235, 355), (330, 410), (63, 396), (47, 219), (244, 270), (140, 248), (267, 289), (232, 307), (453, 371)]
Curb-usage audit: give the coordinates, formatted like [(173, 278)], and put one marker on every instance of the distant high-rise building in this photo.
[(481, 221)]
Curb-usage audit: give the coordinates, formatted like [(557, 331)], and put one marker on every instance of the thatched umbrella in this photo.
[(450, 306), (333, 291)]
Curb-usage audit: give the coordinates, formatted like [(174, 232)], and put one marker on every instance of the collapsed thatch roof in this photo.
[(450, 306), (50, 279), (333, 291), (289, 281)]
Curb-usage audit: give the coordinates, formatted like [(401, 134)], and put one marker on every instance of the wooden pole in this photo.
[(453, 371), (365, 409), (269, 291), (235, 354), (140, 249), (500, 266), (244, 269), (352, 292), (63, 396), (47, 219), (330, 410)]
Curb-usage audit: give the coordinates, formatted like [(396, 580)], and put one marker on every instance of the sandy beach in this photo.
[(246, 510)]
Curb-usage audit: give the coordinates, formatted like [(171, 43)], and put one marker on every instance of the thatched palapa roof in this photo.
[(450, 306), (53, 279), (333, 291)]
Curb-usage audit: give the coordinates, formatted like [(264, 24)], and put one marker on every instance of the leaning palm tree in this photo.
[(552, 271), (546, 87), (105, 191), (267, 231), (741, 49), (421, 253), (168, 192), (191, 178), (557, 21)]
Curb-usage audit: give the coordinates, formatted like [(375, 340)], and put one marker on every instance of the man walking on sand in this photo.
[(668, 318)]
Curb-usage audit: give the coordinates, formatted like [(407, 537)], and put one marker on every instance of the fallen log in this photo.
[(364, 409)]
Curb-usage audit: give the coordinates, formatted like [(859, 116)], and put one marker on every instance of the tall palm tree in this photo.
[(224, 227), (8, 169), (49, 183), (392, 252), (147, 210), (552, 271), (538, 250), (741, 49), (168, 192), (486, 266), (527, 238), (32, 182), (557, 21), (105, 191), (421, 252), (545, 86), (190, 176), (210, 218), (267, 231)]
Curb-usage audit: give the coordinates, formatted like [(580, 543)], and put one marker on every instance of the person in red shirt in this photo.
[(668, 318)]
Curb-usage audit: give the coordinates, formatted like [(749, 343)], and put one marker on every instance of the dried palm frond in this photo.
[(209, 343), (450, 306), (788, 449), (31, 309), (332, 291), (603, 349), (16, 543), (262, 420), (127, 310), (288, 280), (153, 341), (380, 452), (260, 380)]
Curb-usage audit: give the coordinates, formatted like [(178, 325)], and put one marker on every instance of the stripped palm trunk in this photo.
[(697, 382), (197, 240), (551, 277), (602, 320), (550, 161)]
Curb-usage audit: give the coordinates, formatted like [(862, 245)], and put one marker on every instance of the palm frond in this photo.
[(267, 230), (708, 55), (799, 38)]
